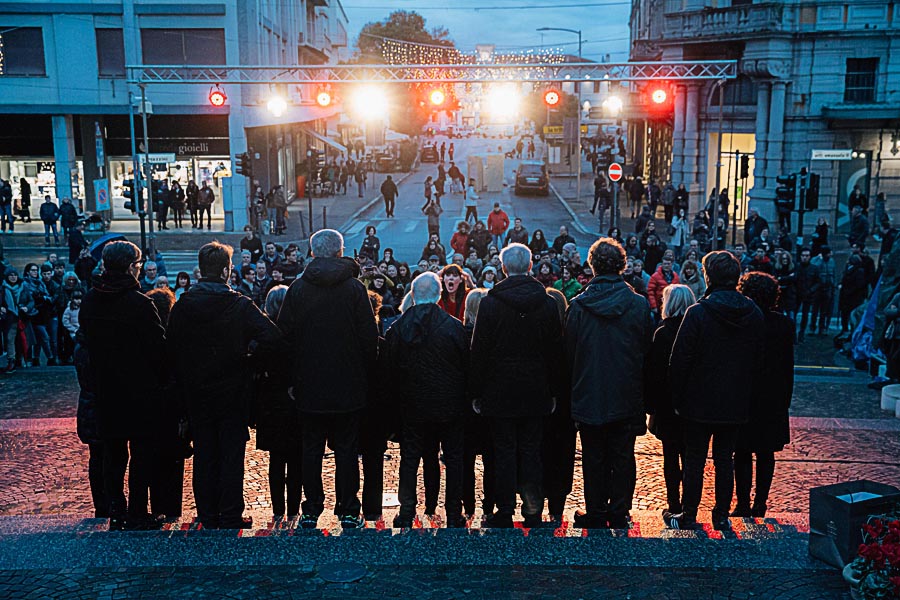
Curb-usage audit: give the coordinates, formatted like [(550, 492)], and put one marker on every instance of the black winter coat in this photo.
[(125, 342), (608, 333), (807, 282), (212, 332), (427, 356), (516, 350), (716, 369), (854, 288), (664, 423), (769, 428), (332, 337)]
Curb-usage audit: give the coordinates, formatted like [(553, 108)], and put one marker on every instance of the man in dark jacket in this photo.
[(332, 335), (516, 348), (121, 330), (77, 243), (211, 329), (49, 216), (562, 239), (389, 193), (716, 374), (754, 226), (807, 284), (427, 353), (607, 387)]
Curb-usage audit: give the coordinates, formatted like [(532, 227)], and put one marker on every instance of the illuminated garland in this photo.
[(397, 52), (2, 57)]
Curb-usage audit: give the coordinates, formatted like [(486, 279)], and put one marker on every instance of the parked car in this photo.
[(429, 154), (532, 176)]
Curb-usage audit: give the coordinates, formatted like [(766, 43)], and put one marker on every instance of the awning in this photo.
[(327, 140)]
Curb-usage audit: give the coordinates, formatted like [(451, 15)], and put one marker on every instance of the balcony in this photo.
[(724, 23)]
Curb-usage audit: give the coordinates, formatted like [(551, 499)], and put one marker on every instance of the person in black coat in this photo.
[(212, 331), (516, 348), (427, 356), (77, 243), (769, 428), (664, 423), (333, 339), (122, 329), (854, 289), (807, 283), (607, 387), (716, 374)]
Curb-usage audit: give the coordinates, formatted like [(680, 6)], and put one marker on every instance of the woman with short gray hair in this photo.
[(664, 423)]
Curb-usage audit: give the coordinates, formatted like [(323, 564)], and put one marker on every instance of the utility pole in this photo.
[(137, 197), (147, 165)]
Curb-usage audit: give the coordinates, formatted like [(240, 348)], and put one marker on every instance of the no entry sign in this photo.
[(615, 171)]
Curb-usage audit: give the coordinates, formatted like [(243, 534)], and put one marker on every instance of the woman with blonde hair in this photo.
[(664, 423)]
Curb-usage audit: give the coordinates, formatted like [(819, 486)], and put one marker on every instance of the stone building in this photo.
[(813, 75)]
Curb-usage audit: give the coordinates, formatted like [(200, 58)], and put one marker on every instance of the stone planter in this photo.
[(850, 577)]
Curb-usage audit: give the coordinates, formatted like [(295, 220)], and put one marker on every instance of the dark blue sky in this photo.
[(604, 23)]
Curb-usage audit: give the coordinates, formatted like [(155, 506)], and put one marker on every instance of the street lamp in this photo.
[(575, 31)]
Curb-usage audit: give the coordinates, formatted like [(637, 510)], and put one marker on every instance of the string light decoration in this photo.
[(2, 57)]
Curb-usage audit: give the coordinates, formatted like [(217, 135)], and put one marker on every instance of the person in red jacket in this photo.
[(660, 280), (460, 240), (498, 223)]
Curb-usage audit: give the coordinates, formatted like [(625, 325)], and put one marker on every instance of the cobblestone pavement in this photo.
[(439, 583)]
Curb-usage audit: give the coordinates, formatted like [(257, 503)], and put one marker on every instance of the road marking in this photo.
[(357, 228), (410, 226)]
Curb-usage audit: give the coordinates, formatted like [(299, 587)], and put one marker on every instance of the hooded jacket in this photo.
[(332, 337), (608, 333), (125, 342), (716, 368), (516, 349), (211, 329), (427, 356)]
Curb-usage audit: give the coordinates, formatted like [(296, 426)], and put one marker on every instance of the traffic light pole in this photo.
[(147, 165), (310, 163), (137, 195), (715, 215), (801, 209)]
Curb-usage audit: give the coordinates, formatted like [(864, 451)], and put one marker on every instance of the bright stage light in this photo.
[(503, 102), (370, 103), (277, 105)]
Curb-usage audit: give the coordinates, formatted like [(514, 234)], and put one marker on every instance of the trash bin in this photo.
[(837, 514)]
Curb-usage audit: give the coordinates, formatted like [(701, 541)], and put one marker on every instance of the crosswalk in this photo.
[(179, 260)]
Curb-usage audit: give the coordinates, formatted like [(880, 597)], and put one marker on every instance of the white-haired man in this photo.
[(330, 327), (516, 350), (433, 401)]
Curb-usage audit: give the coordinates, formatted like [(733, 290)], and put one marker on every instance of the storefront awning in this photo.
[(322, 138)]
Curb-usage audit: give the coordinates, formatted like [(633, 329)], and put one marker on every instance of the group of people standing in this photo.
[(513, 372)]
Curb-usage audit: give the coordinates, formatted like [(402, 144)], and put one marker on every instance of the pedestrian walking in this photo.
[(332, 336), (6, 206), (716, 373), (68, 217), (211, 331), (389, 193), (127, 410), (49, 216), (607, 387), (516, 349), (360, 177), (432, 407), (768, 430), (470, 201)]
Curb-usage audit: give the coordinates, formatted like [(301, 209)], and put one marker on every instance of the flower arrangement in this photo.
[(878, 565)]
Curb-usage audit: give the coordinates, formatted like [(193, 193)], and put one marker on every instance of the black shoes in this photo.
[(681, 521), (352, 522), (309, 521), (742, 511), (498, 521)]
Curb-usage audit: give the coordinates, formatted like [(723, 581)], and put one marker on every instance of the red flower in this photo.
[(895, 581), (874, 553)]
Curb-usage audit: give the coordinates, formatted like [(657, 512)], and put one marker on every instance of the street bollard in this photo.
[(324, 217)]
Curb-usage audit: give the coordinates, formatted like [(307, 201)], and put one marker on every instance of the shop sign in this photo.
[(101, 194), (161, 158), (834, 154)]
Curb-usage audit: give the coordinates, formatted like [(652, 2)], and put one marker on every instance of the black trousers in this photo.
[(609, 472), (285, 473), (137, 456), (477, 441), (806, 306), (342, 433), (167, 484), (389, 206), (517, 464), (416, 442), (95, 476), (696, 446), (558, 458), (219, 446), (473, 212), (208, 211), (743, 476), (673, 459), (372, 446)]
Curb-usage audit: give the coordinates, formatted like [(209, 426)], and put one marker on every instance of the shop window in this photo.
[(22, 51), (183, 46), (110, 53), (859, 83)]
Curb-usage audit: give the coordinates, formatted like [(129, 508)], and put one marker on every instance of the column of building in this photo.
[(762, 134), (63, 154), (691, 165), (677, 175), (775, 137)]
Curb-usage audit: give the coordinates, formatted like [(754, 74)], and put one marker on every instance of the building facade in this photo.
[(813, 75), (65, 98)]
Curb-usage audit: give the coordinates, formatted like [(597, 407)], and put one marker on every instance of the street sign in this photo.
[(555, 130), (101, 194), (615, 172), (161, 158), (834, 154)]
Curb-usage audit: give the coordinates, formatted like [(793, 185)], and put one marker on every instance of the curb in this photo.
[(578, 224)]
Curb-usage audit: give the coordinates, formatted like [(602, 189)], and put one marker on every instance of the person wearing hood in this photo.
[(716, 375), (122, 329), (516, 347), (607, 387), (331, 331), (433, 407), (769, 428), (212, 330)]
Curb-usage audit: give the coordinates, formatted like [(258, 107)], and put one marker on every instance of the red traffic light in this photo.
[(437, 97), (551, 97), (217, 96), (323, 98), (659, 96)]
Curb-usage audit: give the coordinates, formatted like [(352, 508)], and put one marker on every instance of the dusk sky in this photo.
[(511, 24)]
